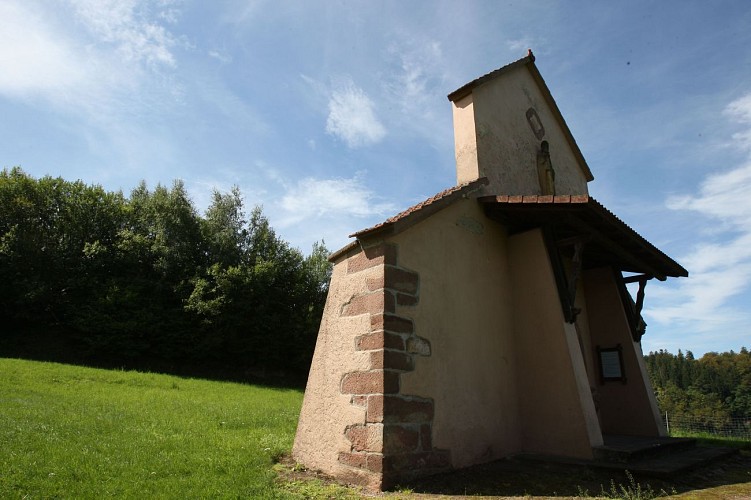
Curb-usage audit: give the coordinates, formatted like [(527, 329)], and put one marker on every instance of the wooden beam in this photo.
[(640, 297), (628, 305), (573, 240), (612, 246), (559, 272), (576, 268), (633, 309), (637, 278)]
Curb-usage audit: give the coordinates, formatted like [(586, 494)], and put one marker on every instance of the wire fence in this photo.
[(735, 428)]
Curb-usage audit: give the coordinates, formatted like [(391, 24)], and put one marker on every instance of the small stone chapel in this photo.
[(490, 320)]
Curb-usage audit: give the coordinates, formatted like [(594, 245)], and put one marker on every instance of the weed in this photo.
[(401, 490), (631, 491)]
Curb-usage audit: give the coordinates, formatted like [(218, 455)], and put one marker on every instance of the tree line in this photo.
[(713, 389), (145, 279)]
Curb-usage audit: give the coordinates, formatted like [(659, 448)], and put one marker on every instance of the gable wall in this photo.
[(506, 145)]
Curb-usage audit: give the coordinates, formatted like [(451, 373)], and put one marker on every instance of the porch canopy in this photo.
[(606, 239)]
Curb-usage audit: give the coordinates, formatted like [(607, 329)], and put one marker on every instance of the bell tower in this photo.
[(508, 128)]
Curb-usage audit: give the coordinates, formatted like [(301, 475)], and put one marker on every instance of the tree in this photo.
[(147, 279), (225, 229), (265, 311), (713, 388), (55, 236)]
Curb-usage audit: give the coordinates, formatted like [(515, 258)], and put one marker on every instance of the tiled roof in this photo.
[(613, 242), (536, 198), (413, 214), (425, 208), (467, 87)]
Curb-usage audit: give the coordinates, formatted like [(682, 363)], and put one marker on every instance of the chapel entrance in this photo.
[(590, 250)]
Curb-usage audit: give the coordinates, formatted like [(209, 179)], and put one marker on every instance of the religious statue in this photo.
[(545, 172)]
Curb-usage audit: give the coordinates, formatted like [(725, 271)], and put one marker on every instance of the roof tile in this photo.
[(605, 218), (467, 88), (440, 198)]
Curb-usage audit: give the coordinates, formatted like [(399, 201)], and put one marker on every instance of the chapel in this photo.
[(490, 320)]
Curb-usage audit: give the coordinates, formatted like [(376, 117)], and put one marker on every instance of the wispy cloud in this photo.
[(352, 117), (420, 72), (721, 266), (304, 210), (519, 44), (740, 111), (102, 72), (314, 198), (127, 25), (416, 88), (34, 57), (86, 57), (220, 56), (327, 209)]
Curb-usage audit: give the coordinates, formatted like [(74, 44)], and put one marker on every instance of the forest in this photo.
[(144, 281), (714, 390)]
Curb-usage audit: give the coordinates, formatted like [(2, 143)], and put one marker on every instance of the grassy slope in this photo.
[(68, 431), (73, 432)]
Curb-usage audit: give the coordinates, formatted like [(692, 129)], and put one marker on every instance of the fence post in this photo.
[(667, 423)]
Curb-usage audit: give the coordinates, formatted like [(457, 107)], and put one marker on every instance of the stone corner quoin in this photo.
[(394, 442)]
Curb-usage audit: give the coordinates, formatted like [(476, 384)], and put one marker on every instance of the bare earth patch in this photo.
[(517, 478)]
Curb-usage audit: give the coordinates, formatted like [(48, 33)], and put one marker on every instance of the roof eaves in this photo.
[(536, 198), (466, 89), (334, 256), (421, 211), (641, 240), (589, 203)]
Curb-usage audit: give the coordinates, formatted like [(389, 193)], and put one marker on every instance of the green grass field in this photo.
[(73, 432)]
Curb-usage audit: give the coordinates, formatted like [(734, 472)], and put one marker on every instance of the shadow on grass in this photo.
[(519, 478), (522, 478), (62, 347)]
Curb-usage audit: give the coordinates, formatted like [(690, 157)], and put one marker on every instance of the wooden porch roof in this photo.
[(609, 241)]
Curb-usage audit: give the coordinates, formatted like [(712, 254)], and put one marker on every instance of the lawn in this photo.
[(74, 432)]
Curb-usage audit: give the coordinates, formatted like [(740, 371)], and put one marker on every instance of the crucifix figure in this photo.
[(545, 172)]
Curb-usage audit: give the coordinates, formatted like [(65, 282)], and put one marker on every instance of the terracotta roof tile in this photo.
[(467, 87), (333, 256), (536, 198), (530, 211), (435, 202)]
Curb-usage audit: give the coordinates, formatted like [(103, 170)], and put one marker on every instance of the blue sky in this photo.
[(333, 115)]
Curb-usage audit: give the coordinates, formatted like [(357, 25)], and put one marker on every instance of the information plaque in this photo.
[(611, 364)]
